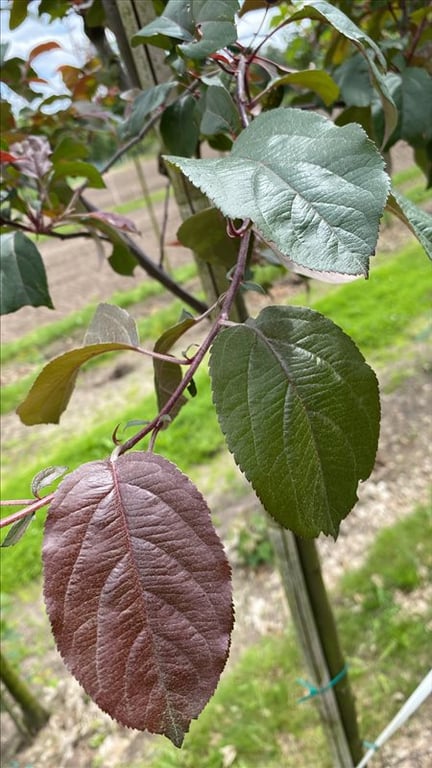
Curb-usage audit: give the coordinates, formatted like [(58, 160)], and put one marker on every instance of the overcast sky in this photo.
[(67, 32)]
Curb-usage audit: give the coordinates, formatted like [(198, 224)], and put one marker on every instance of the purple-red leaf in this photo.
[(6, 157), (32, 156), (116, 220), (137, 588)]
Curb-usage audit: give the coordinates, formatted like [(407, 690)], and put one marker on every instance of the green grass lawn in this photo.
[(387, 311)]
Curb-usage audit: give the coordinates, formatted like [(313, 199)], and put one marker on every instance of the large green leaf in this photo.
[(204, 26), (52, 390), (205, 233), (179, 126), (416, 104), (419, 221), (354, 81), (143, 106), (321, 10), (175, 23), (299, 408), (22, 274), (70, 147), (215, 35), (78, 168), (220, 113), (315, 80), (389, 108), (314, 189)]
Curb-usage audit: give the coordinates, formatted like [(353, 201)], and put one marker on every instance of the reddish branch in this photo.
[(196, 361), (31, 507)]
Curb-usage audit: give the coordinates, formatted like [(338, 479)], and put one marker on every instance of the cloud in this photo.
[(67, 32)]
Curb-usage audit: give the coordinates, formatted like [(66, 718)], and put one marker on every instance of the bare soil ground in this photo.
[(78, 734)]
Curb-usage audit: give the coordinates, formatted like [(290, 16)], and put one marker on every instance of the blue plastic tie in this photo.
[(371, 745), (315, 691)]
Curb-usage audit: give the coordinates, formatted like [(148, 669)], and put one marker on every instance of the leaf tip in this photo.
[(175, 734)]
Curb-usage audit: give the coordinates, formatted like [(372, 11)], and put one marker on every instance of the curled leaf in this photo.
[(418, 220), (112, 324), (46, 477), (52, 390)]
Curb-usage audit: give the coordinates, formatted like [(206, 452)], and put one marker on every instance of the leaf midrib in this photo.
[(292, 383)]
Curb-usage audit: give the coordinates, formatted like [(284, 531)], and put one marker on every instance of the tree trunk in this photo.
[(34, 715)]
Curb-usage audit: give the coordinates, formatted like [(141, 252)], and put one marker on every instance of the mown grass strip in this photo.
[(388, 310), (130, 206), (27, 349), (407, 176)]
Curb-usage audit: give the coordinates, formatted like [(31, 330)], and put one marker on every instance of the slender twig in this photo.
[(51, 232), (392, 13), (165, 358), (415, 41), (147, 127), (15, 225), (204, 348), (164, 224), (28, 510), (276, 64), (15, 502), (74, 235), (267, 38), (242, 99), (154, 270)]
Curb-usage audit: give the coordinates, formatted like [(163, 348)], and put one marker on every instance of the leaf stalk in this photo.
[(29, 509)]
